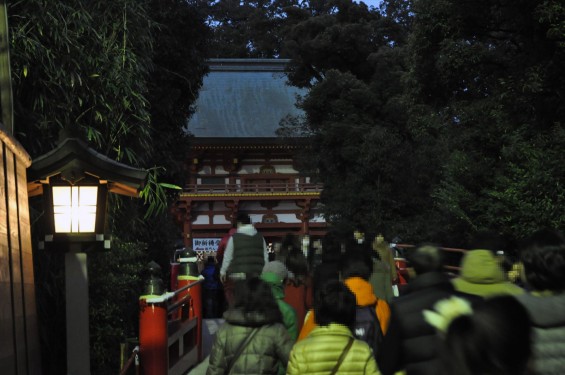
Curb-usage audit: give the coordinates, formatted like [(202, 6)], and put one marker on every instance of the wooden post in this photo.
[(78, 336)]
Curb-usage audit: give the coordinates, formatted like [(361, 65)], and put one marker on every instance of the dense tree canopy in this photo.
[(429, 120), (434, 119), (492, 70), (121, 75), (377, 167)]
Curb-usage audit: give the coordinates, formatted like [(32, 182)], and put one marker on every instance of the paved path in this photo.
[(209, 329), (200, 369)]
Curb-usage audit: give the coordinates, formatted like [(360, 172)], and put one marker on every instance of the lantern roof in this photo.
[(73, 160)]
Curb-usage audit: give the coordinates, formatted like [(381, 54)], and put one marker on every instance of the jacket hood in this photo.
[(545, 311), (247, 229), (482, 275), (363, 291), (253, 319), (481, 267), (275, 282)]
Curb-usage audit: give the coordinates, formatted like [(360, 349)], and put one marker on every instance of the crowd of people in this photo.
[(343, 315)]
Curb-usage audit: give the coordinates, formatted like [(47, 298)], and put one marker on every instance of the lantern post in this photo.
[(75, 181)]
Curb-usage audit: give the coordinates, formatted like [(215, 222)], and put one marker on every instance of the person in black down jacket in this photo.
[(494, 339), (411, 344), (254, 308), (543, 260)]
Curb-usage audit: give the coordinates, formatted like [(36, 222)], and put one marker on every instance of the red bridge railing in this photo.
[(253, 188), (170, 327), (452, 257)]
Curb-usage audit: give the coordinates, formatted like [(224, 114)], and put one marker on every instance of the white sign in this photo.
[(205, 244)]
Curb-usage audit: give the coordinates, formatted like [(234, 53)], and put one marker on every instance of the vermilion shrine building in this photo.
[(238, 164)]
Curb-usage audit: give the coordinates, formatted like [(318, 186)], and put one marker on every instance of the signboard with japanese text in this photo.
[(205, 244)]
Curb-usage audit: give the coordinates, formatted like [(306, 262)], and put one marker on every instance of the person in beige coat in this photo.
[(384, 269)]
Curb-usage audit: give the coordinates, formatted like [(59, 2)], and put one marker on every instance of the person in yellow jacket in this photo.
[(356, 270), (331, 346)]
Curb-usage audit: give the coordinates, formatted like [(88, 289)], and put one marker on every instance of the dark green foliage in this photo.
[(377, 166), (247, 29), (178, 68), (340, 39), (77, 65), (121, 75), (492, 69), (448, 122), (114, 302)]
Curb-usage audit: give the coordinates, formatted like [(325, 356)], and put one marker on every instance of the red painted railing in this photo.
[(452, 255), (132, 362), (253, 188), (170, 331)]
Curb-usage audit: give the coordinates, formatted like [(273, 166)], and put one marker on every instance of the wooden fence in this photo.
[(19, 340)]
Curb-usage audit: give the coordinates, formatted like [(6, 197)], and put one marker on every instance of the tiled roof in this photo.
[(243, 98)]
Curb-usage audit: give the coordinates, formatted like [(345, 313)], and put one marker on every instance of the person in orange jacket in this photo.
[(355, 272)]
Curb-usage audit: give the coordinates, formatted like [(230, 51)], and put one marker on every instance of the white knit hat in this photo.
[(277, 267)]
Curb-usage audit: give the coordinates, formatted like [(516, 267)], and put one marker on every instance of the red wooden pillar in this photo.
[(153, 337)]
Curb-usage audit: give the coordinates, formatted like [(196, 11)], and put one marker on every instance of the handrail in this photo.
[(178, 304), (449, 267), (168, 295), (447, 249), (188, 286), (288, 187), (133, 357)]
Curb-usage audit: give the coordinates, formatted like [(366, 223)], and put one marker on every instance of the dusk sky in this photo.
[(370, 3)]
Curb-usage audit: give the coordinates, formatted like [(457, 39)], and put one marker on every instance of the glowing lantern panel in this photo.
[(74, 208)]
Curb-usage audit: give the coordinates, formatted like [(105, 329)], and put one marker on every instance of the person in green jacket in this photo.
[(254, 311), (331, 346), (275, 274)]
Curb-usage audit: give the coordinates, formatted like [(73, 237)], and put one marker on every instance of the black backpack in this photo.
[(368, 328)]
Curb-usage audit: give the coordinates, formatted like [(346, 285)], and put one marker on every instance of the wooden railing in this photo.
[(452, 257), (170, 330), (253, 188)]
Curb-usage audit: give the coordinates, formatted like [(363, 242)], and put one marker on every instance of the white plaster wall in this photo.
[(287, 218), (220, 219), (201, 219), (250, 168), (220, 170), (256, 218)]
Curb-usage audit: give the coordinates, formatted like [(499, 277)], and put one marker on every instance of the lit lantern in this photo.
[(74, 208), (76, 211), (75, 181)]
